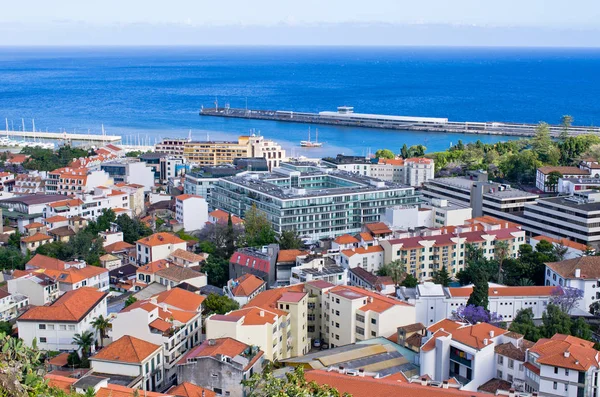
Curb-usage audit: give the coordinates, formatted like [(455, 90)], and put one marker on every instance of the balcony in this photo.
[(460, 360)]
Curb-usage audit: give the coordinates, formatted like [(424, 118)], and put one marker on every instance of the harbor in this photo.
[(345, 117)]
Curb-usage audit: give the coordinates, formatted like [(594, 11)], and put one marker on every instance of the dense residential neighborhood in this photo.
[(178, 273)]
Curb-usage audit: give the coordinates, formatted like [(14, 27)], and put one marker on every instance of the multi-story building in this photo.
[(423, 255), (12, 305), (434, 303), (220, 365), (33, 182), (133, 358), (22, 210), (130, 171), (169, 274), (191, 211), (201, 181), (275, 321), (40, 288), (244, 288), (562, 366), (432, 214), (541, 177), (136, 196), (572, 249), (575, 217), (164, 165), (314, 267), (313, 201), (484, 197), (76, 181), (157, 246), (172, 146), (7, 181), (30, 244), (215, 153), (260, 262), (582, 273), (362, 278), (76, 277), (171, 319), (54, 326), (352, 314), (370, 258)]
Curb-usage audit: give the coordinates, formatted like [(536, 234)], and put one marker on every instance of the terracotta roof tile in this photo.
[(127, 349), (346, 239), (187, 255), (362, 250), (45, 262), (161, 238), (246, 285), (475, 335), (71, 307), (290, 255), (588, 265), (505, 291), (563, 241), (224, 346), (36, 237), (187, 389), (563, 170), (180, 299), (118, 246), (567, 351)]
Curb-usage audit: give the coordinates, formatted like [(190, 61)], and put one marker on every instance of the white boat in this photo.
[(309, 143)]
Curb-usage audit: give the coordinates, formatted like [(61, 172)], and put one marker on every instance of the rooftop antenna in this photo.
[(6, 120), (189, 135), (23, 124)]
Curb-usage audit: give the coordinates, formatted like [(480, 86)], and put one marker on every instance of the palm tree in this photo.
[(396, 270), (101, 324), (501, 252), (84, 341)]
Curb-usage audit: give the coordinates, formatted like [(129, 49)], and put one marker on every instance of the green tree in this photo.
[(416, 151), (409, 281), (552, 180), (101, 325), (217, 270), (133, 229), (501, 252), (404, 151), (258, 230), (520, 167), (289, 239), (5, 328), (293, 384), (395, 269), (385, 154), (84, 342), (441, 277), (581, 329), (565, 122), (555, 321), (523, 324), (219, 304), (479, 295), (130, 300), (89, 392)]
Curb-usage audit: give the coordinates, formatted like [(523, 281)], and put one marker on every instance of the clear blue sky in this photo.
[(451, 22)]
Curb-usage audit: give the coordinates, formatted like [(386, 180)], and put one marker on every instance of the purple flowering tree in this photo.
[(566, 298), (476, 314)]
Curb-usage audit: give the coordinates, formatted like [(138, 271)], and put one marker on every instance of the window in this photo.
[(566, 372), (63, 327), (337, 337), (147, 367), (373, 321), (71, 328), (41, 326), (51, 327), (42, 340), (555, 385), (511, 363), (499, 374), (500, 360), (337, 325), (509, 378), (555, 371), (373, 334)]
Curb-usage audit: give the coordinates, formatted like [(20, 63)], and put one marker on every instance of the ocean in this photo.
[(151, 93)]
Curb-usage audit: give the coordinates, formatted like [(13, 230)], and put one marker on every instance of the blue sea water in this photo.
[(157, 92)]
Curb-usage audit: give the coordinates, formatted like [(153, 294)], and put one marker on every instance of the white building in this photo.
[(55, 326), (130, 171), (244, 288), (191, 211), (436, 213), (76, 181), (434, 303), (369, 258), (171, 319), (41, 289), (541, 177), (11, 305), (573, 249), (157, 246), (132, 357), (582, 273)]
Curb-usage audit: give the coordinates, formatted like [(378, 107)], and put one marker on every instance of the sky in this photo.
[(301, 22)]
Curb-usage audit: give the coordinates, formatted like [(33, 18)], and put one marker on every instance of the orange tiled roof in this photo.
[(187, 389), (183, 197), (379, 304), (127, 349), (362, 250), (187, 255), (564, 170), (223, 346), (118, 246), (161, 238), (290, 255), (180, 299), (418, 160), (246, 285), (589, 267), (562, 241), (45, 262), (444, 324), (391, 161), (66, 203), (113, 390), (34, 225), (153, 267), (346, 239), (567, 351), (56, 218), (253, 316), (366, 236), (63, 383), (377, 228), (268, 299), (475, 335), (35, 238), (222, 217), (504, 291), (71, 307), (74, 275), (430, 344)]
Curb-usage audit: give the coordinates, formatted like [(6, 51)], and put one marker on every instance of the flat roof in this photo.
[(466, 183), (32, 199), (572, 203)]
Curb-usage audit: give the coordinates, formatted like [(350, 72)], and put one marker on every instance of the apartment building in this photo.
[(315, 267), (164, 165), (484, 197), (172, 146), (370, 258), (75, 181), (410, 171), (433, 214), (34, 182), (576, 217), (171, 319), (220, 365), (562, 366), (466, 352), (359, 277), (434, 303), (54, 326), (582, 273), (169, 274), (191, 211), (130, 171), (423, 255), (136, 196), (351, 314), (12, 305), (133, 358), (541, 176), (157, 246), (573, 249), (244, 288), (225, 152), (313, 201), (22, 210), (275, 321), (39, 288), (260, 262)]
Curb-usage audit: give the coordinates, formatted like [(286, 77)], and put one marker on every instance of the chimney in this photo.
[(423, 381), (445, 384), (203, 393), (577, 273), (212, 342), (567, 354), (491, 333), (511, 393), (262, 313), (485, 342)]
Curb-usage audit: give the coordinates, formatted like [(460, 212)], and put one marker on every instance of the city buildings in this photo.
[(313, 201), (54, 326), (260, 262), (171, 319), (164, 165), (432, 214), (191, 211), (40, 288), (370, 258), (572, 249), (157, 246), (221, 365), (34, 182), (12, 305), (75, 181), (215, 153), (317, 267), (130, 171), (541, 177), (582, 273), (172, 146), (244, 288), (131, 357)]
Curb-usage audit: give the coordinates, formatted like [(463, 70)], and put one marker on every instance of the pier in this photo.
[(346, 117), (65, 136)]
